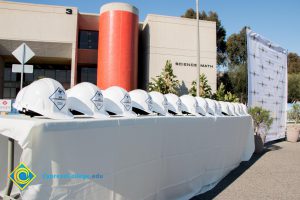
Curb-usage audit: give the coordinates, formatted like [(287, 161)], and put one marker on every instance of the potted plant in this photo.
[(293, 130), (262, 122)]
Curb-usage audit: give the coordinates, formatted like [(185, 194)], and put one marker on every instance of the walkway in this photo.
[(273, 175)]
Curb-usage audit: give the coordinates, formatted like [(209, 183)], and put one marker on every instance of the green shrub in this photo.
[(166, 82), (205, 89), (261, 119), (222, 95), (294, 114)]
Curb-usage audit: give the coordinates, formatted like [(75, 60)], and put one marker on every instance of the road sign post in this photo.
[(23, 54)]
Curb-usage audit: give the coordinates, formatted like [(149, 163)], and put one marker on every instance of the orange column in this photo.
[(118, 46)]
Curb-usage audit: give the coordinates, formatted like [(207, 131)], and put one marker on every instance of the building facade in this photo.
[(65, 43), (174, 38)]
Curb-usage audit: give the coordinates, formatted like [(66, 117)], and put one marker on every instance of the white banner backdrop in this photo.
[(267, 80)]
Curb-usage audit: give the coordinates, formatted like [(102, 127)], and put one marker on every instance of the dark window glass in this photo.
[(68, 76), (13, 76), (87, 74), (6, 93), (7, 73), (61, 76), (29, 77), (38, 73), (61, 73), (92, 75), (50, 73), (88, 40), (13, 92)]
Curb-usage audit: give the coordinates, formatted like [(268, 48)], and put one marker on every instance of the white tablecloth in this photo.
[(144, 158)]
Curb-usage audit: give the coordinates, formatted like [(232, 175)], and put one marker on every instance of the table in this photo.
[(141, 158)]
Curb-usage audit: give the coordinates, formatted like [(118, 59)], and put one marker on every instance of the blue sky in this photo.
[(276, 20)]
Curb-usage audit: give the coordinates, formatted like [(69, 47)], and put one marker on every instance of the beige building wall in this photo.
[(48, 30), (174, 38)]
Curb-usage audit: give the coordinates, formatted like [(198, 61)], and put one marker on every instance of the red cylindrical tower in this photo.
[(118, 46)]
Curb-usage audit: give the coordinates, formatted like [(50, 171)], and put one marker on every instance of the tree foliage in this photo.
[(223, 95), (237, 63), (237, 48), (205, 89), (239, 78), (221, 32), (223, 78), (166, 82), (261, 119), (293, 63), (294, 113), (294, 87)]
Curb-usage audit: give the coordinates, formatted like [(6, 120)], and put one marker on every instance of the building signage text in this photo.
[(192, 65)]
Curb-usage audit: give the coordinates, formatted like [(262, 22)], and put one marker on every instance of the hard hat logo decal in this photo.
[(58, 98), (197, 107), (98, 100), (165, 103), (126, 101), (149, 102), (179, 104)]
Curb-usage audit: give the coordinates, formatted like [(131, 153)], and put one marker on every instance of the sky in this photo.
[(279, 21)]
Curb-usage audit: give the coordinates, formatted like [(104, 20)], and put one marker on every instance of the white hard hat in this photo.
[(202, 105), (86, 98), (211, 106), (244, 108), (141, 101), (190, 105), (218, 108), (160, 103), (236, 109), (231, 109), (241, 109), (17, 105), (174, 104), (118, 102), (224, 108), (46, 97)]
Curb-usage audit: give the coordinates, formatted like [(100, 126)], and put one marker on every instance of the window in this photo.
[(87, 74), (88, 40), (10, 85), (61, 73)]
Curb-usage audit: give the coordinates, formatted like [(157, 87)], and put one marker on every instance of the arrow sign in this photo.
[(23, 53)]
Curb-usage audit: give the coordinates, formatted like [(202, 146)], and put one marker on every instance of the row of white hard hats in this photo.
[(48, 98)]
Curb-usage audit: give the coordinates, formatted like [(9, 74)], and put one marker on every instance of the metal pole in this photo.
[(198, 49), (10, 166), (22, 72), (11, 142)]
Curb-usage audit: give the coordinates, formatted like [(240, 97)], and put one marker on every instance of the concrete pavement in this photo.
[(273, 175)]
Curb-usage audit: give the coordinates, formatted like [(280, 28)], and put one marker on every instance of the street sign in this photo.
[(5, 105), (23, 53), (17, 68)]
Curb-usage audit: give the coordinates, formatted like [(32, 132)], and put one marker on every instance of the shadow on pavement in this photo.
[(234, 174)]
